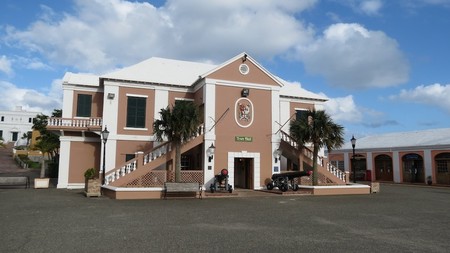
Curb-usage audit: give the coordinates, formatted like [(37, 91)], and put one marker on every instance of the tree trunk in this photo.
[(178, 162), (315, 170), (42, 168)]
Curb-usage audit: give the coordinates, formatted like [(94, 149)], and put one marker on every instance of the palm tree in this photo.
[(318, 128), (177, 124)]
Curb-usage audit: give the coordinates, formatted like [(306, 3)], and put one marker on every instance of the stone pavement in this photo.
[(401, 218)]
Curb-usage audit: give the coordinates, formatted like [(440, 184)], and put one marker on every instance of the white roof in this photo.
[(432, 137), (164, 71), (295, 90), (81, 79)]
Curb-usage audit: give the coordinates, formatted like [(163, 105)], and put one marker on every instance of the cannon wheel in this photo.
[(284, 187), (270, 186), (295, 187)]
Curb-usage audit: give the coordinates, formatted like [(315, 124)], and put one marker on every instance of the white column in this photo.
[(276, 138), (67, 103), (347, 162), (396, 165), (161, 101), (427, 163), (209, 96), (64, 161)]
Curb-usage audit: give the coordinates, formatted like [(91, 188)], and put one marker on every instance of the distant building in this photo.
[(13, 124), (405, 157)]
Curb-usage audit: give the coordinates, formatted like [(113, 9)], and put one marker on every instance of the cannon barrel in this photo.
[(291, 174)]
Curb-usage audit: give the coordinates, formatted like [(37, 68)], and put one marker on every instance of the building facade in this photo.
[(245, 113), (14, 124), (405, 157)]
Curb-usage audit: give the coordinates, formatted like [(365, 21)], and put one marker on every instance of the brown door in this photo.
[(243, 173)]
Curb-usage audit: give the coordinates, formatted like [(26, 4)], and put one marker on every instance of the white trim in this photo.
[(131, 189), (349, 186), (75, 186), (185, 99), (136, 95), (256, 167), (135, 129)]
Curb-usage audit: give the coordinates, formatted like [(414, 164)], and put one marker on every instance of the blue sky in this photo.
[(384, 65)]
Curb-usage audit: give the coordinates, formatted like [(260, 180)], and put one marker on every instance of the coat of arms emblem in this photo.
[(244, 112)]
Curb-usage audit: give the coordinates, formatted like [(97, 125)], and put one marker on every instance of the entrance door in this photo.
[(383, 168), (413, 168), (243, 173), (15, 136)]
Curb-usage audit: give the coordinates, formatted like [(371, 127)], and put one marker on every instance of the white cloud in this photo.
[(5, 65), (349, 55), (371, 7), (435, 95), (31, 100), (343, 109), (102, 35)]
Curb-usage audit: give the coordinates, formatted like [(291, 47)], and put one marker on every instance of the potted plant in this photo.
[(429, 180), (42, 181), (92, 184)]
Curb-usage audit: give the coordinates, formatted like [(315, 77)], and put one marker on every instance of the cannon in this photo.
[(221, 182), (285, 180)]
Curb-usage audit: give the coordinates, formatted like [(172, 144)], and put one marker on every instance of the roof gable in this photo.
[(231, 71)]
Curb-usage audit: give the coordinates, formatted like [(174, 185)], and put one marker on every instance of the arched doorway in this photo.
[(383, 168), (413, 168), (360, 168), (442, 170)]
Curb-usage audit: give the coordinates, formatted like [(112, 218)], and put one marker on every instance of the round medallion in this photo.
[(244, 69)]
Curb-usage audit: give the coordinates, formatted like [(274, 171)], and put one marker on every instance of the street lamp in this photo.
[(105, 134), (210, 152), (353, 140), (277, 154)]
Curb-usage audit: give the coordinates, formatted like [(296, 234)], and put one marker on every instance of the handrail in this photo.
[(310, 154), (74, 122), (155, 153)]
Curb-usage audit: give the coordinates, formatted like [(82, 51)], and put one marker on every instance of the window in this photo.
[(30, 120), (129, 157), (1, 133), (136, 112), (299, 113), (3, 118), (84, 105)]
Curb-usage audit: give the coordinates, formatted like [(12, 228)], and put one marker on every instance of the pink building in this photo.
[(245, 113), (406, 157)]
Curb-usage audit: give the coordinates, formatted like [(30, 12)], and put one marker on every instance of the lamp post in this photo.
[(277, 154), (105, 134), (353, 140)]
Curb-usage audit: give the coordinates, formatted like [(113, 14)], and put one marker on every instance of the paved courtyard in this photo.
[(398, 219)]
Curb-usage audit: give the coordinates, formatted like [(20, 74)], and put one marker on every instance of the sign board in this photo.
[(243, 138)]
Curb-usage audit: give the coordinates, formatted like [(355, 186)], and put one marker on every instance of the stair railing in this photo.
[(155, 153)]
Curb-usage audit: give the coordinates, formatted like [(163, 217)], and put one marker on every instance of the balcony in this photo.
[(75, 124)]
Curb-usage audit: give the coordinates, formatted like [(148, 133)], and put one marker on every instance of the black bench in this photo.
[(15, 181), (170, 187)]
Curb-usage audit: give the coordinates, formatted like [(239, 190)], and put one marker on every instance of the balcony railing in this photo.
[(74, 123)]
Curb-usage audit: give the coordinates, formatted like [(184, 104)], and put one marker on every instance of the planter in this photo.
[(92, 187), (41, 183)]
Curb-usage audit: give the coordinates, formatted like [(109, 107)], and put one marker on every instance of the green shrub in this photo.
[(90, 173)]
